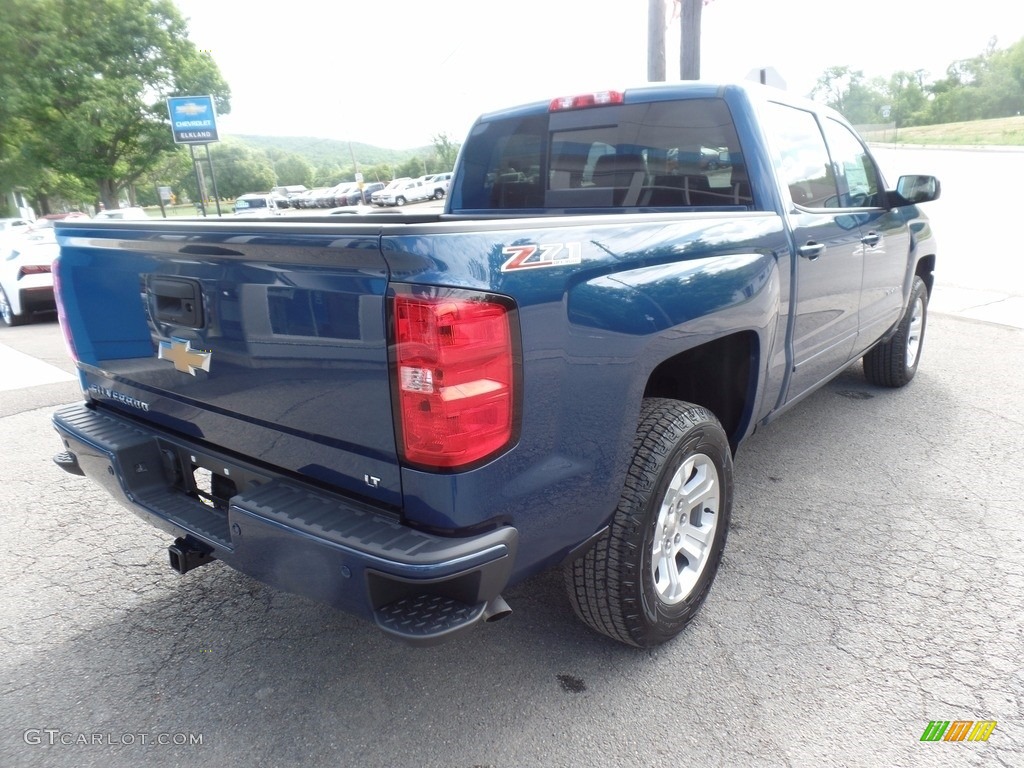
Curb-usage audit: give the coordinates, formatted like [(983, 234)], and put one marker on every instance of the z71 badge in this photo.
[(533, 256)]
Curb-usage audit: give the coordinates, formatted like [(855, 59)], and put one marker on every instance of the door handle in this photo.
[(811, 250), (871, 239)]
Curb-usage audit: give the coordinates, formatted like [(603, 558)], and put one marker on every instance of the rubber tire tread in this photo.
[(885, 365), (599, 583), (15, 320)]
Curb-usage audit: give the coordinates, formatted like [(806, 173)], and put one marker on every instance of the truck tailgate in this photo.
[(269, 345)]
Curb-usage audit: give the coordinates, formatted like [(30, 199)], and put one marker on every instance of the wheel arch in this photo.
[(720, 375), (926, 271)]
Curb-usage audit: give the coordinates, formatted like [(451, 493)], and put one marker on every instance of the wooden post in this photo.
[(656, 41), (689, 45)]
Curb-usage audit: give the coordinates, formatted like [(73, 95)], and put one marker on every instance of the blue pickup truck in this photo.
[(401, 415)]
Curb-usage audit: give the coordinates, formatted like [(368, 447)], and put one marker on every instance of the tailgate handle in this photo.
[(177, 301)]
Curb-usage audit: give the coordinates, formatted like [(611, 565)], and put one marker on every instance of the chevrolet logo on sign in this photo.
[(192, 109), (185, 359)]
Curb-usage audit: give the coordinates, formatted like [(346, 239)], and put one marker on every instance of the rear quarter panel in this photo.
[(626, 295)]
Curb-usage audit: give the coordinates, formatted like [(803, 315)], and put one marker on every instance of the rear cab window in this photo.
[(667, 154)]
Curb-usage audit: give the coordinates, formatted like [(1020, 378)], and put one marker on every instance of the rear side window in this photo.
[(676, 154), (801, 157)]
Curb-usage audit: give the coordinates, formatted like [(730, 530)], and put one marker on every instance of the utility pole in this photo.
[(355, 165), (689, 45), (655, 41)]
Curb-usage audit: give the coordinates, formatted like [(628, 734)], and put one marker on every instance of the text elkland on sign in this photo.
[(193, 119)]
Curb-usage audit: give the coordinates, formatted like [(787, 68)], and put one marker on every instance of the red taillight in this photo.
[(61, 317), (583, 100), (33, 269), (455, 378)]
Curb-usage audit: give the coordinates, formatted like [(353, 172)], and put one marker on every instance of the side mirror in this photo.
[(918, 189)]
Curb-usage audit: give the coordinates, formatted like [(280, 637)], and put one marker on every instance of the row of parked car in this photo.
[(398, 192), (346, 193)]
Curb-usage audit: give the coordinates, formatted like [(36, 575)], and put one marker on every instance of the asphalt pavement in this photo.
[(873, 582)]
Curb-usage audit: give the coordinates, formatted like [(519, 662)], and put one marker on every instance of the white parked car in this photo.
[(26, 256), (377, 197), (438, 183), (121, 213), (11, 227), (402, 191), (256, 205), (26, 283), (10, 232)]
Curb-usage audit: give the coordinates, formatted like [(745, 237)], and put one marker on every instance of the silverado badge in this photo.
[(185, 359)]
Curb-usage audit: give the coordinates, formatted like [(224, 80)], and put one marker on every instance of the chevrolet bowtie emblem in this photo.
[(185, 359)]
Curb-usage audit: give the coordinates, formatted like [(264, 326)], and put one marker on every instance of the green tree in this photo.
[(90, 78), (240, 169), (1002, 88), (379, 172), (989, 85), (17, 165), (174, 170), (413, 167), (956, 96), (49, 187), (293, 169), (446, 150), (907, 98), (329, 175), (847, 91)]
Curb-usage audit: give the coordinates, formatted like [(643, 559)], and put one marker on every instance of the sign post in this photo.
[(767, 76), (164, 196), (194, 121)]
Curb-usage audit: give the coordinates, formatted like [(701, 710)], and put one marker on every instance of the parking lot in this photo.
[(873, 582)]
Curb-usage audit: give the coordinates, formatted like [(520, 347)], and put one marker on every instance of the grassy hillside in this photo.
[(323, 152), (1003, 131)]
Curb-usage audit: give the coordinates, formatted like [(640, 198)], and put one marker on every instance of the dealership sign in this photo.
[(193, 120)]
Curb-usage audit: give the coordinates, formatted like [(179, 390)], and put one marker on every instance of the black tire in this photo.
[(893, 363), (399, 201), (616, 587), (7, 312)]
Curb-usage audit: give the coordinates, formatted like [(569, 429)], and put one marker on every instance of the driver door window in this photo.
[(856, 175)]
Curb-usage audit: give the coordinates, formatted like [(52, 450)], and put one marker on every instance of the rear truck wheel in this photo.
[(644, 580), (7, 311), (893, 363)]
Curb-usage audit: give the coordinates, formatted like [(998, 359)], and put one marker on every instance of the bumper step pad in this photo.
[(422, 618)]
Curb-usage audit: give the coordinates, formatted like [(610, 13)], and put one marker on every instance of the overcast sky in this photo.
[(394, 73)]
